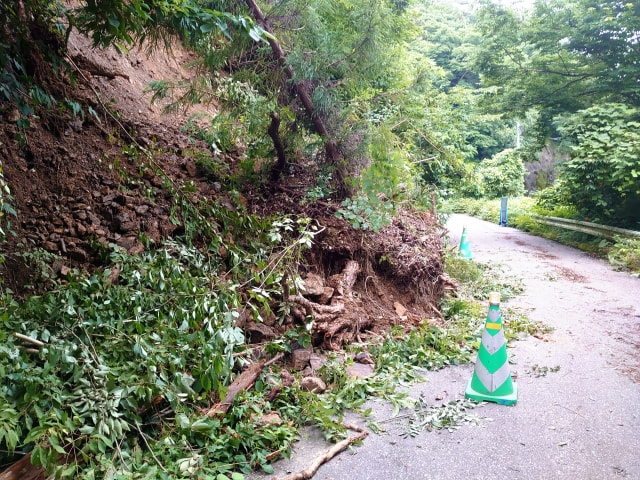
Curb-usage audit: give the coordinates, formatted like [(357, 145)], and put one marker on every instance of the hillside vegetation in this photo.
[(210, 209)]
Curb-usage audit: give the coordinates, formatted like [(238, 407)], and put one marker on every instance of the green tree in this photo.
[(331, 74), (602, 177), (450, 127), (448, 38), (564, 57), (499, 176)]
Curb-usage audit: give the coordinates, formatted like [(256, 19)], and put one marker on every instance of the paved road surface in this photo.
[(581, 422)]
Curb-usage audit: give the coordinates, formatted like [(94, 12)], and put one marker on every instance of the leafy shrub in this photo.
[(151, 333), (625, 253), (502, 175), (499, 176), (602, 177), (366, 213)]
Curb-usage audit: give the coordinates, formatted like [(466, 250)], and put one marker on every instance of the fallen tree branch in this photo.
[(27, 339), (274, 359), (23, 469), (144, 438), (313, 467), (244, 382), (34, 351)]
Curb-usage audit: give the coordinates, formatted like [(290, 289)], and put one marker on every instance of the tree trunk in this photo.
[(23, 470), (333, 156), (274, 133)]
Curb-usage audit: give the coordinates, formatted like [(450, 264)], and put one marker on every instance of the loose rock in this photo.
[(313, 384)]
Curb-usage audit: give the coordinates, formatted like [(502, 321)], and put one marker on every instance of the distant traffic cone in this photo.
[(491, 381), (465, 250)]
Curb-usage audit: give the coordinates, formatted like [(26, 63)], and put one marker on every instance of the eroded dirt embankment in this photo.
[(80, 182)]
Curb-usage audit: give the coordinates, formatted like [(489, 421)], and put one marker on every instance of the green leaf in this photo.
[(113, 21), (182, 420), (86, 429)]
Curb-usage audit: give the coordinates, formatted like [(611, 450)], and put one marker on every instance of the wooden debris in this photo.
[(313, 467), (244, 382), (23, 470), (30, 345), (30, 340)]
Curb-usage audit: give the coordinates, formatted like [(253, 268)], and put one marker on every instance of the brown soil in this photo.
[(75, 188)]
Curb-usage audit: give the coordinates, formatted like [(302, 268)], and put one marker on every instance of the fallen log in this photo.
[(313, 467), (243, 382), (23, 470)]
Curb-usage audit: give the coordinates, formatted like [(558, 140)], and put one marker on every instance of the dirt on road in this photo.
[(578, 410)]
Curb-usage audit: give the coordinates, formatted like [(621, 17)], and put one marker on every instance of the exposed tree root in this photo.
[(341, 315), (316, 309)]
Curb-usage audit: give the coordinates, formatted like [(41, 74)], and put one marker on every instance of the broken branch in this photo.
[(313, 467), (28, 339), (244, 382)]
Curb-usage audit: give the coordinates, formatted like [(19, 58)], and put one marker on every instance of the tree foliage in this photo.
[(449, 39), (450, 127), (108, 352), (33, 36), (576, 65), (499, 176), (602, 177), (563, 57)]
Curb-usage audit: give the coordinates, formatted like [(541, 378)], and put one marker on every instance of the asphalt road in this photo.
[(579, 422)]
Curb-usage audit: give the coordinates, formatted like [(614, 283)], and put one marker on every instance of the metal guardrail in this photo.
[(602, 231)]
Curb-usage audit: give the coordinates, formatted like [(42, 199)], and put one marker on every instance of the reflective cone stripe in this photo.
[(493, 343), (492, 381), (494, 320)]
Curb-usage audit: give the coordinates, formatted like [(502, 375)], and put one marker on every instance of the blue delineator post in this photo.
[(503, 211)]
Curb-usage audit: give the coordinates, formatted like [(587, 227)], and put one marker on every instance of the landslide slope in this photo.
[(121, 175)]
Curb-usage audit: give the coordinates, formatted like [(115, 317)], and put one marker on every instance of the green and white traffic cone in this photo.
[(491, 381), (465, 250)]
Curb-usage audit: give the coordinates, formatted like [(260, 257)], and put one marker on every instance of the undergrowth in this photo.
[(105, 375), (110, 374)]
